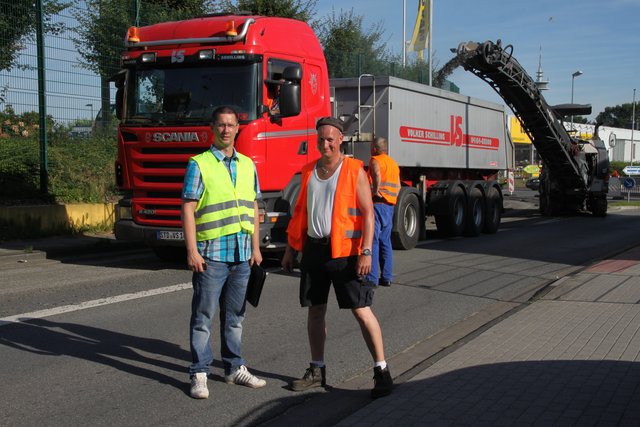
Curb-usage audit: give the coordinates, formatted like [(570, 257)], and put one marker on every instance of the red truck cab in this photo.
[(175, 74)]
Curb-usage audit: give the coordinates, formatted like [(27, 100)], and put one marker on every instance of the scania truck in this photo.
[(451, 148)]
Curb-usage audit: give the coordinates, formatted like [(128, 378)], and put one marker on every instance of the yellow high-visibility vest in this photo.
[(224, 209)]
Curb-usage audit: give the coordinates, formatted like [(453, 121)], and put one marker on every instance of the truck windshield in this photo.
[(175, 96)]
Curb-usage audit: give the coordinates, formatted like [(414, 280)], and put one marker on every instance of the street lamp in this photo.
[(573, 77), (90, 105), (633, 121)]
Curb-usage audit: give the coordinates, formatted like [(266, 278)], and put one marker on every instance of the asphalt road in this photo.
[(118, 353)]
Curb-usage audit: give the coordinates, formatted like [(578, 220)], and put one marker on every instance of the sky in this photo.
[(601, 38)]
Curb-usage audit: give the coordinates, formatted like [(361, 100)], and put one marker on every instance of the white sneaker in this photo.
[(199, 388), (243, 377)]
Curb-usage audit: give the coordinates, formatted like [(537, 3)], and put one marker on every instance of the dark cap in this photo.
[(331, 121)]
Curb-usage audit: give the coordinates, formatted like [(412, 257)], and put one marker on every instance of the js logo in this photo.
[(177, 56), (456, 131)]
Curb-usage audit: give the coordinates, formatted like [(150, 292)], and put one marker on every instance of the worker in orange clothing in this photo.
[(332, 225), (384, 175)]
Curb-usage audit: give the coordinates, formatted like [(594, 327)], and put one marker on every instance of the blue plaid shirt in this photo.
[(230, 248)]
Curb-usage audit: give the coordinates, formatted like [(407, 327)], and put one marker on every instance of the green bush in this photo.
[(19, 168), (79, 170)]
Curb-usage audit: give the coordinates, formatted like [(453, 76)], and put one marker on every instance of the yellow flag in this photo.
[(421, 29)]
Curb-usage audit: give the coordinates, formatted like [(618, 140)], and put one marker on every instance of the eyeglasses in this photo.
[(225, 125)]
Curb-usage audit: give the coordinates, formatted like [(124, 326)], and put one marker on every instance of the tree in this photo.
[(302, 10), (349, 49), (103, 26), (18, 23), (417, 70), (618, 116)]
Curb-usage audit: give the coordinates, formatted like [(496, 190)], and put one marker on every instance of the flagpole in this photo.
[(430, 37), (404, 32)]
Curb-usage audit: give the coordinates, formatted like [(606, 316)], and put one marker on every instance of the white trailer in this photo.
[(451, 150)]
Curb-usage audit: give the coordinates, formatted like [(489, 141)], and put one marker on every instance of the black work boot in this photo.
[(314, 376), (382, 382)]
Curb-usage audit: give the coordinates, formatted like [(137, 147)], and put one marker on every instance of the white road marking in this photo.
[(91, 304)]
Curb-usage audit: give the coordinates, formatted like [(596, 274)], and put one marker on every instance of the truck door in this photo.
[(287, 143), (315, 103)]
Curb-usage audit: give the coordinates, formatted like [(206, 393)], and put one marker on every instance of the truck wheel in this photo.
[(474, 221), (293, 199), (545, 196), (452, 223), (544, 204), (599, 207), (290, 195), (494, 211), (406, 221), (551, 202)]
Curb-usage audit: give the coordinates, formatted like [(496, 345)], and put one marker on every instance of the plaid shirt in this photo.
[(230, 248)]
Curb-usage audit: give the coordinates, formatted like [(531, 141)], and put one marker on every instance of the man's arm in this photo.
[(288, 259), (376, 176), (365, 205), (256, 255), (195, 262)]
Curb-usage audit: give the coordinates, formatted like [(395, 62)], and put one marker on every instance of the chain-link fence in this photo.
[(81, 48), (82, 43), (72, 91), (56, 58)]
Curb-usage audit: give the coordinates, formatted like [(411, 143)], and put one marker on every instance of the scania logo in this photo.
[(175, 137)]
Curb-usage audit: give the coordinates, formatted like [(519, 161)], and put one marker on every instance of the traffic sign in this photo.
[(629, 183), (512, 181), (631, 170)]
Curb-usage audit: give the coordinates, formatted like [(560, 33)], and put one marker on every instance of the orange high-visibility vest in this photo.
[(346, 223), (389, 178)]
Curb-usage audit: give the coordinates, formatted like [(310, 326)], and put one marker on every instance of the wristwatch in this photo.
[(366, 252)]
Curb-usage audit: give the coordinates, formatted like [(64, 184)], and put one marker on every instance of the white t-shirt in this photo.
[(320, 195)]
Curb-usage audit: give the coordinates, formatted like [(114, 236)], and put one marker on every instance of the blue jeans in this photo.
[(224, 284), (381, 251)]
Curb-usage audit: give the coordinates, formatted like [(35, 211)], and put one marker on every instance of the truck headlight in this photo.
[(123, 212)]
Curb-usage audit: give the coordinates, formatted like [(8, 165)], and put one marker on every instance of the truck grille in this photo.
[(157, 212), (157, 174)]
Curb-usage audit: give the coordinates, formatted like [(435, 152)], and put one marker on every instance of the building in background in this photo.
[(617, 141)]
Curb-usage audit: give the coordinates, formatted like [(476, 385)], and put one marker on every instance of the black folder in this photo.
[(256, 282)]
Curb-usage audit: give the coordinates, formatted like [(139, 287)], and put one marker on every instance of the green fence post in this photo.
[(42, 101)]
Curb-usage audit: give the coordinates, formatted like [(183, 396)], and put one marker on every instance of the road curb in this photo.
[(60, 246)]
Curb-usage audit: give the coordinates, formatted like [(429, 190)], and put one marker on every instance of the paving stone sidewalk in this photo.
[(570, 358)]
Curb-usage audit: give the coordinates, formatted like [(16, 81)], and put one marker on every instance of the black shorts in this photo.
[(319, 271)]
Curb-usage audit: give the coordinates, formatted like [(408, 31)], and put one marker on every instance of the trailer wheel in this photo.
[(494, 211), (474, 221), (452, 223), (406, 221)]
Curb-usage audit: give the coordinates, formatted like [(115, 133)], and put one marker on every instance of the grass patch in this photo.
[(79, 170), (615, 203)]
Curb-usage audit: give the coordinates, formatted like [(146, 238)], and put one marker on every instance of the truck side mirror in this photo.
[(118, 79), (290, 98), (292, 74)]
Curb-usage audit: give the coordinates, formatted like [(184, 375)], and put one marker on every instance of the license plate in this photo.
[(170, 235)]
